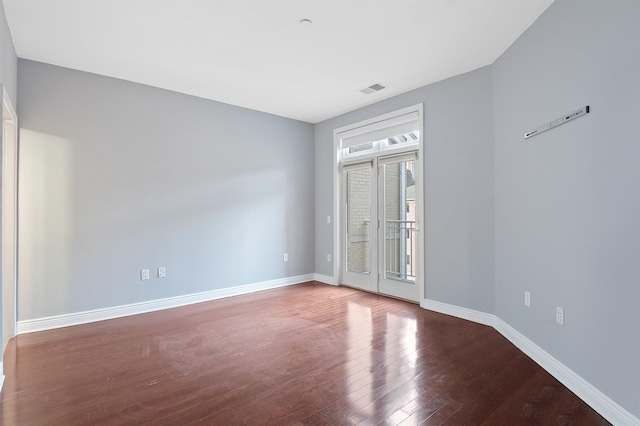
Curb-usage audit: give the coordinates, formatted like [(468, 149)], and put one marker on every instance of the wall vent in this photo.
[(373, 88)]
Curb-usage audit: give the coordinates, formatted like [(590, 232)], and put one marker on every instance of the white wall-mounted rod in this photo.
[(567, 117)]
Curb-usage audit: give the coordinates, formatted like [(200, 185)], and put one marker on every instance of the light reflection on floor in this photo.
[(372, 366)]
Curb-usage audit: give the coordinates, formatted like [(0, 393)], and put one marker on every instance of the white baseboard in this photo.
[(609, 409), (58, 321), (325, 279), (459, 312)]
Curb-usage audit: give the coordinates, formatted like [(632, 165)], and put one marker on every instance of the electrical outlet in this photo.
[(144, 274), (162, 272), (328, 258), (285, 257), (328, 219), (560, 315), (527, 299)]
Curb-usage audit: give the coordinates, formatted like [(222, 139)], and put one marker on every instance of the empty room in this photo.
[(305, 212)]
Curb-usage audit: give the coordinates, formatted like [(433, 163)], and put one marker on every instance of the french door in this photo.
[(360, 226), (380, 244)]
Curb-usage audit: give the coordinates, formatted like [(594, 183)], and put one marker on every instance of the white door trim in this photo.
[(353, 130), (9, 218)]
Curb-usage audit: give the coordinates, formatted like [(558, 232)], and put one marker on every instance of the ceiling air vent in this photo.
[(373, 88)]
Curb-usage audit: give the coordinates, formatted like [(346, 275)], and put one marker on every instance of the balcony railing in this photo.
[(400, 250)]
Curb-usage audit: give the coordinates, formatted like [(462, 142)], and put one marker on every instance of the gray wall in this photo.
[(117, 176), (458, 177), (567, 204), (8, 59)]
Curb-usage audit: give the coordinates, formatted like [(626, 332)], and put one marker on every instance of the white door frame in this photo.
[(338, 188), (9, 147)]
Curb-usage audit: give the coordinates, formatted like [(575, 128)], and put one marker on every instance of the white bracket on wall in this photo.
[(565, 118)]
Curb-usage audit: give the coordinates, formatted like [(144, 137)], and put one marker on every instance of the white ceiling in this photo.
[(256, 54)]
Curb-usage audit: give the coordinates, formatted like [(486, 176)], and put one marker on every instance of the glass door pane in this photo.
[(398, 228), (358, 224), (399, 221)]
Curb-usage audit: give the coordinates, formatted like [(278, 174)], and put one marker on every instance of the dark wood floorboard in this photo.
[(309, 354)]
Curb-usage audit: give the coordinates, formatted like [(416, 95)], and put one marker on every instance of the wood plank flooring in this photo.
[(309, 354)]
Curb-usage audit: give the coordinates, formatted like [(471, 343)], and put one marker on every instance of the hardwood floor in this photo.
[(309, 354)]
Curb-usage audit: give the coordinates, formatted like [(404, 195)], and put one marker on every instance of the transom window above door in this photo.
[(395, 142), (398, 131)]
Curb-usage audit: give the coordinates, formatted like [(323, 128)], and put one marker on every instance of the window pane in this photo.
[(360, 148), (406, 138)]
